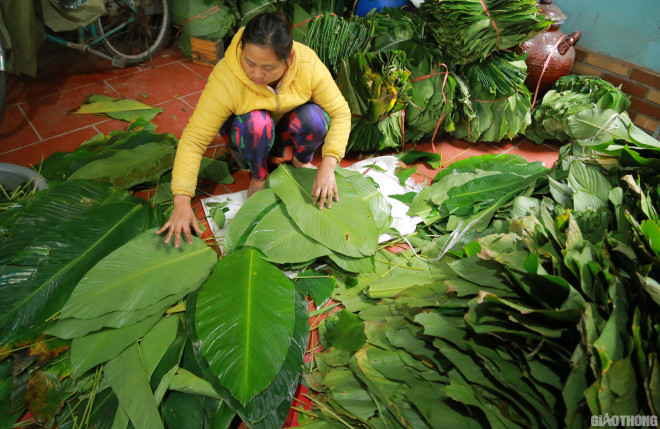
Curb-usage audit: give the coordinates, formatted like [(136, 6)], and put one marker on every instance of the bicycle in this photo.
[(132, 31)]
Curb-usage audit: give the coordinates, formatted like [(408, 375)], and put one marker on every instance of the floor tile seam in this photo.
[(199, 75), (185, 102), (30, 123), (106, 83), (49, 138)]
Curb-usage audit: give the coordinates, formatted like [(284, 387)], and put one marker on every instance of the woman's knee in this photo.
[(315, 119)]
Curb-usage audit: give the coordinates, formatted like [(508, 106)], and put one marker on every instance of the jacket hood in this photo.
[(233, 60)]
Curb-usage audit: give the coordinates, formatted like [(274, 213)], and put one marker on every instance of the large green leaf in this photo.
[(368, 191), (243, 295), (140, 274), (347, 228), (31, 293), (266, 406), (130, 167), (278, 237), (128, 378), (589, 181), (250, 213)]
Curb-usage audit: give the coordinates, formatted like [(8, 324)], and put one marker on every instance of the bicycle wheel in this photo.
[(135, 29), (3, 80)]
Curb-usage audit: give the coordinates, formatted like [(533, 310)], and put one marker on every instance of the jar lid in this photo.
[(552, 12)]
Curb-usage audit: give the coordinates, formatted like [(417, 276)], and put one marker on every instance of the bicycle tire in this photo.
[(3, 79), (141, 39)]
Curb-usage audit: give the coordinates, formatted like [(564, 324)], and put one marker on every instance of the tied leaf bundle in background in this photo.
[(377, 90), (469, 30), (499, 104)]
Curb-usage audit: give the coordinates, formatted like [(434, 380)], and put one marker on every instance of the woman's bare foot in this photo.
[(299, 164), (255, 186)]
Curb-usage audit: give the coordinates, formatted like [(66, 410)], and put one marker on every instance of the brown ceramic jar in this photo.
[(543, 44)]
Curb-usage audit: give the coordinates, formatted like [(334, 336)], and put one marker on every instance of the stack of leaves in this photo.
[(334, 38), (127, 159), (468, 193), (117, 108), (283, 223), (50, 241), (301, 13), (591, 111), (469, 30), (433, 91), (393, 26), (540, 321), (377, 90), (251, 8), (205, 19), (500, 103)]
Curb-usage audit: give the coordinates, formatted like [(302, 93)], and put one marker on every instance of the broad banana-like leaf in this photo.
[(368, 191), (278, 237), (266, 407), (32, 293), (353, 265), (247, 218), (51, 207), (244, 295), (140, 274), (130, 167), (215, 170), (129, 380), (347, 228), (102, 346)]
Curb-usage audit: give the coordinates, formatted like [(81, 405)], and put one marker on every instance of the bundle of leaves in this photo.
[(282, 222), (206, 19), (469, 30), (500, 102), (541, 320), (377, 89), (301, 13), (251, 8), (592, 112), (393, 26), (137, 157), (334, 38), (434, 88)]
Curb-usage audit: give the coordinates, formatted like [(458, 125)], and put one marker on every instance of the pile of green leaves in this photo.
[(136, 158), (377, 89), (500, 103), (301, 13), (434, 90), (466, 32), (547, 316), (468, 193), (570, 98), (334, 38), (282, 222), (393, 26)]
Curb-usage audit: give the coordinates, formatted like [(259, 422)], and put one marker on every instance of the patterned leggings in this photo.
[(254, 133)]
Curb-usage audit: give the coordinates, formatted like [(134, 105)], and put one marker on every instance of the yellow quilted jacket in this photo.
[(230, 91)]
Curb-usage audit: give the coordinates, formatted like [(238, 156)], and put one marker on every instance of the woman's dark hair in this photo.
[(270, 29)]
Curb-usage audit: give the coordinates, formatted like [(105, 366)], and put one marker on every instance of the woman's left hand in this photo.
[(325, 184)]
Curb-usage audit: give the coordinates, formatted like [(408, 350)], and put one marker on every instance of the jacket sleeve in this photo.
[(327, 95), (211, 112)]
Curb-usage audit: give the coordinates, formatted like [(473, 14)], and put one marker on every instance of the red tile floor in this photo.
[(37, 121)]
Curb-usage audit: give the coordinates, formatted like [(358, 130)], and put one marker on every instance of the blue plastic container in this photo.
[(363, 7)]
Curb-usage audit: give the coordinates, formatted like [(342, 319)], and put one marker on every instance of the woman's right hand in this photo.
[(180, 221)]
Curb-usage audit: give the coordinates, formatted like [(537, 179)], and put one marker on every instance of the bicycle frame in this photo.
[(96, 39)]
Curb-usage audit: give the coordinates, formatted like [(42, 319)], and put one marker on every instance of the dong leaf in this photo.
[(244, 294), (32, 293), (347, 228), (248, 216), (138, 275), (130, 167)]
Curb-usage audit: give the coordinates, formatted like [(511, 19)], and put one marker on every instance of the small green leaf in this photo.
[(344, 331)]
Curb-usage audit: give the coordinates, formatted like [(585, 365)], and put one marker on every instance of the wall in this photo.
[(621, 44), (628, 30)]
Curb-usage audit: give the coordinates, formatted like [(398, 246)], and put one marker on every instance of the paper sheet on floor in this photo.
[(388, 185)]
